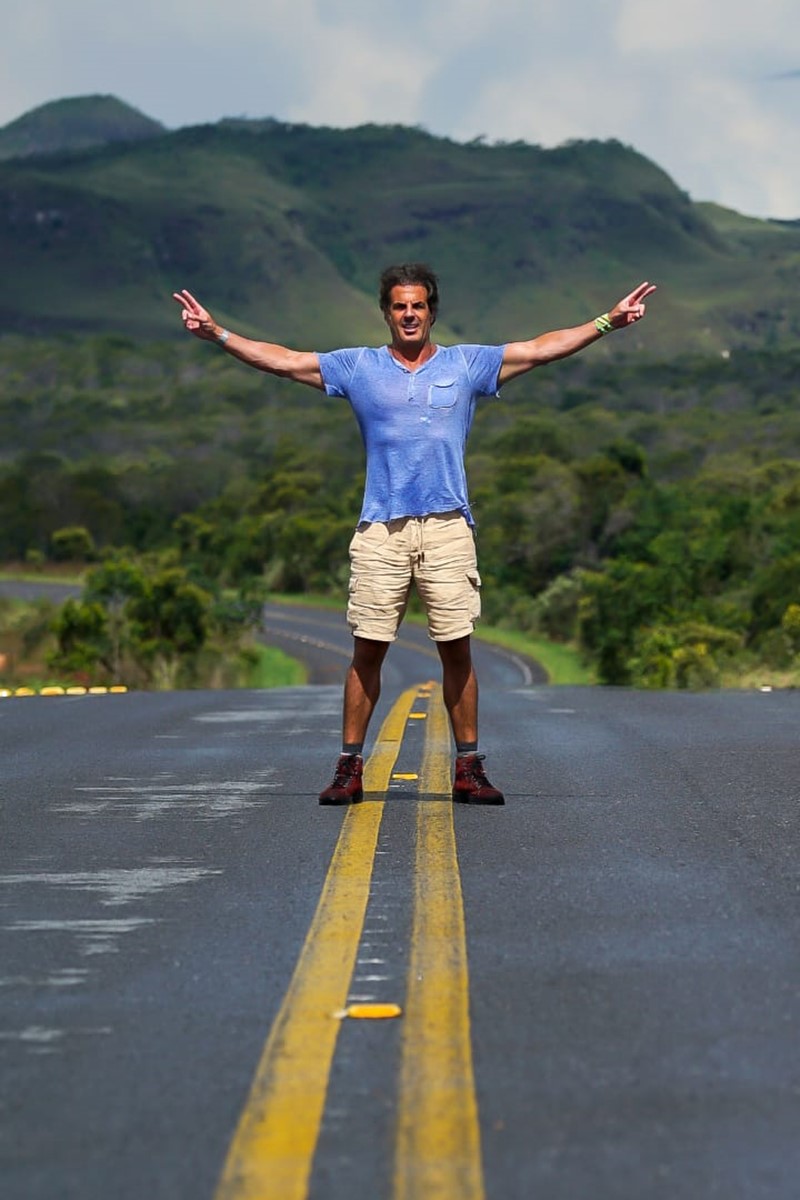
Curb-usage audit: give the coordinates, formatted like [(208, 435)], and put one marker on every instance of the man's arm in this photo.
[(300, 365), (519, 357)]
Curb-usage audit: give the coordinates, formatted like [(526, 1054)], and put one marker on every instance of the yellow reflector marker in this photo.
[(98, 691), (398, 775), (369, 1012), (76, 691), (52, 691), (417, 716), (24, 691), (117, 689)]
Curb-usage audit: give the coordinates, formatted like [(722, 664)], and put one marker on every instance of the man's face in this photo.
[(409, 316)]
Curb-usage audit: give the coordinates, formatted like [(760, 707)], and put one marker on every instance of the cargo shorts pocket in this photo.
[(474, 580)]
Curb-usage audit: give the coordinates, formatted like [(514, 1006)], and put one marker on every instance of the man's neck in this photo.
[(412, 357)]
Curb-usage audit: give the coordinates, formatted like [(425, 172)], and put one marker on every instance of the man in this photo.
[(414, 402)]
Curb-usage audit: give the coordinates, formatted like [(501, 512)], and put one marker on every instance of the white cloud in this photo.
[(727, 27)]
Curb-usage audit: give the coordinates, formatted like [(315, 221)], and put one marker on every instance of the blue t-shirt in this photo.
[(414, 423)]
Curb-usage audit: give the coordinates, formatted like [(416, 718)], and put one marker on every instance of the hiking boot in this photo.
[(346, 787), (470, 785)]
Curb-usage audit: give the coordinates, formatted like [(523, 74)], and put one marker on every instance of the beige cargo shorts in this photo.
[(436, 553)]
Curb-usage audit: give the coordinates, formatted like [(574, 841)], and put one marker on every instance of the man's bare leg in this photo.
[(362, 688), (460, 688)]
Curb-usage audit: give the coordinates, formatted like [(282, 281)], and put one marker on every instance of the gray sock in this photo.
[(466, 748)]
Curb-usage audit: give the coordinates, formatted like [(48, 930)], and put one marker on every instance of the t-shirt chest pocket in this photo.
[(443, 394)]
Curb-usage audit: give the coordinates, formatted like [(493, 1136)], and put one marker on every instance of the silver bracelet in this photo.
[(223, 336)]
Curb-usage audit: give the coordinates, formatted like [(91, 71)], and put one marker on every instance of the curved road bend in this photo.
[(616, 952), (321, 638)]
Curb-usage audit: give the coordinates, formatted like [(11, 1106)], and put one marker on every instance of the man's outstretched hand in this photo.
[(196, 319), (632, 308)]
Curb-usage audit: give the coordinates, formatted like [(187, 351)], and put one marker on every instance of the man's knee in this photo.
[(457, 654), (368, 653)]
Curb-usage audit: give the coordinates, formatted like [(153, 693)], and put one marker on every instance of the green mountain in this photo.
[(282, 230), (75, 124)]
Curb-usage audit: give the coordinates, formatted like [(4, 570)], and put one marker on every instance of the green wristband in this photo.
[(603, 324)]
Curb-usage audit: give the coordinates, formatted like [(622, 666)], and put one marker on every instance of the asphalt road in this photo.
[(630, 918)]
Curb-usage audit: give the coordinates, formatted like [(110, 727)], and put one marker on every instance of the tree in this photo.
[(169, 624), (689, 654), (85, 646), (73, 543)]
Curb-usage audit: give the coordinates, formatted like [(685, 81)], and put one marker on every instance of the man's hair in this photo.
[(405, 274)]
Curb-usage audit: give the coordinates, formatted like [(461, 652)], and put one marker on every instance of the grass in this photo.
[(334, 603), (50, 574), (276, 669), (563, 664)]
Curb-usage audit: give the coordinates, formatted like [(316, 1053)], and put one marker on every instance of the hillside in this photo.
[(75, 124), (282, 230)]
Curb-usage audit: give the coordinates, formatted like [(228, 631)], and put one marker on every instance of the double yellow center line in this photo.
[(437, 1153)]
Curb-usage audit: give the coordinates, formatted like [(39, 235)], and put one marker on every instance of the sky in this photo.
[(707, 89)]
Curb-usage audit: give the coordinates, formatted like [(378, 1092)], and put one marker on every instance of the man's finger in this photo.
[(640, 293), (187, 299)]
